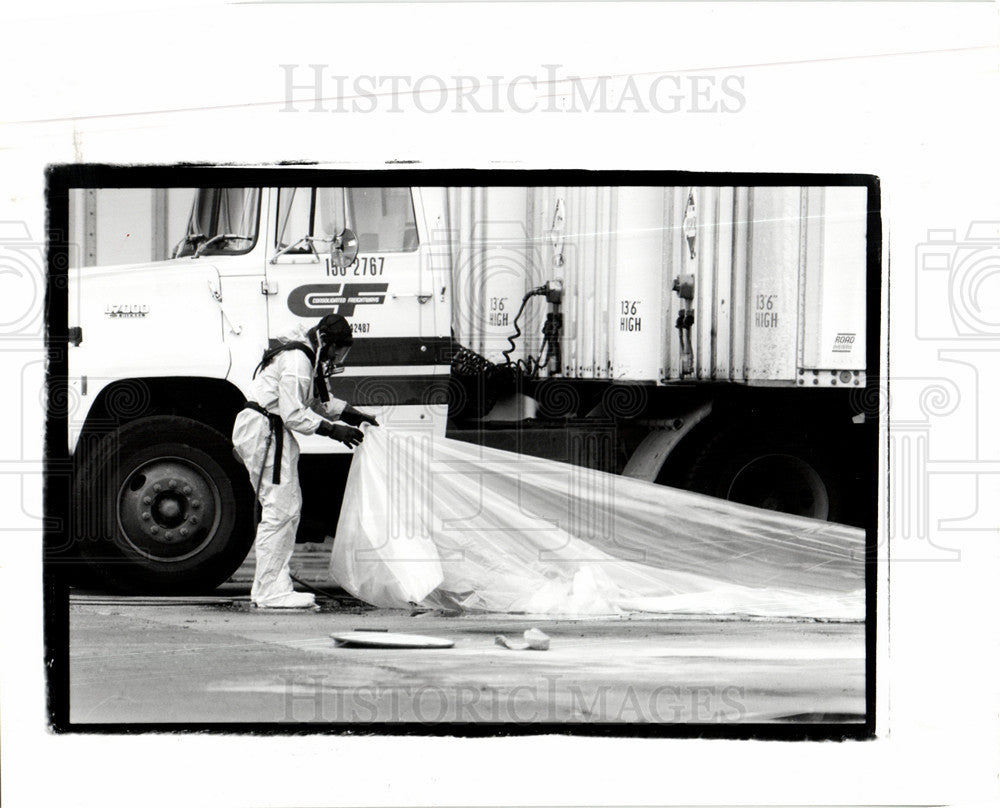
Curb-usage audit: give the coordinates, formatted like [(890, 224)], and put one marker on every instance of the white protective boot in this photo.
[(290, 600)]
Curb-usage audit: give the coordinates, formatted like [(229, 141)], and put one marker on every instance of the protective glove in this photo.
[(356, 417), (347, 435)]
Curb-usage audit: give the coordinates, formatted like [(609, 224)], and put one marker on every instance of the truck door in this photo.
[(399, 362)]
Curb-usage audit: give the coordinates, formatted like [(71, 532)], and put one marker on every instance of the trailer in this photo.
[(706, 337)]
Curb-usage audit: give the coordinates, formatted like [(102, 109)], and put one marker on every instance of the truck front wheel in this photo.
[(172, 509)]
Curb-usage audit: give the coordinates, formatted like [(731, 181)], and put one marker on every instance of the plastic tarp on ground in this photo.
[(447, 524)]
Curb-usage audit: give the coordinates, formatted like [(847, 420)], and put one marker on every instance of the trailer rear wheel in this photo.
[(172, 508), (775, 469)]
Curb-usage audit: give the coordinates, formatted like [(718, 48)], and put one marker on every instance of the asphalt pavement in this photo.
[(215, 660)]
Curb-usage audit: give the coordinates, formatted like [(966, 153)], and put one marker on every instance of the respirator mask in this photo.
[(332, 361), (333, 340)]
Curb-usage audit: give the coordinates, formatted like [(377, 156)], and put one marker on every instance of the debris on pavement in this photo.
[(311, 587), (534, 640), (387, 639)]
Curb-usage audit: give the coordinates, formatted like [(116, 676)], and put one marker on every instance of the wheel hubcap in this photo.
[(168, 509)]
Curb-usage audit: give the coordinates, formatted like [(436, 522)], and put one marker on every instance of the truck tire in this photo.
[(771, 467), (171, 509)]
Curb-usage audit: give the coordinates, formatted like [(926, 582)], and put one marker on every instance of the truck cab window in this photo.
[(223, 221), (384, 220), (308, 213)]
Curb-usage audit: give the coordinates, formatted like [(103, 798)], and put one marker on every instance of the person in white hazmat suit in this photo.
[(289, 395)]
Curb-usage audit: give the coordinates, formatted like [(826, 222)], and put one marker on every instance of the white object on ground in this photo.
[(534, 640), (451, 525), (386, 639)]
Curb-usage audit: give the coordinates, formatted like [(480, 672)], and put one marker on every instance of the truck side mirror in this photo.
[(344, 249)]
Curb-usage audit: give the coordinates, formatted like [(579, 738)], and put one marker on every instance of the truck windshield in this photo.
[(223, 221)]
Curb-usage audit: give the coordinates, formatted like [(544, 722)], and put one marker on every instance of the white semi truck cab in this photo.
[(712, 338)]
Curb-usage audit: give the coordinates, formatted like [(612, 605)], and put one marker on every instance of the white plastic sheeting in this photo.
[(448, 524)]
